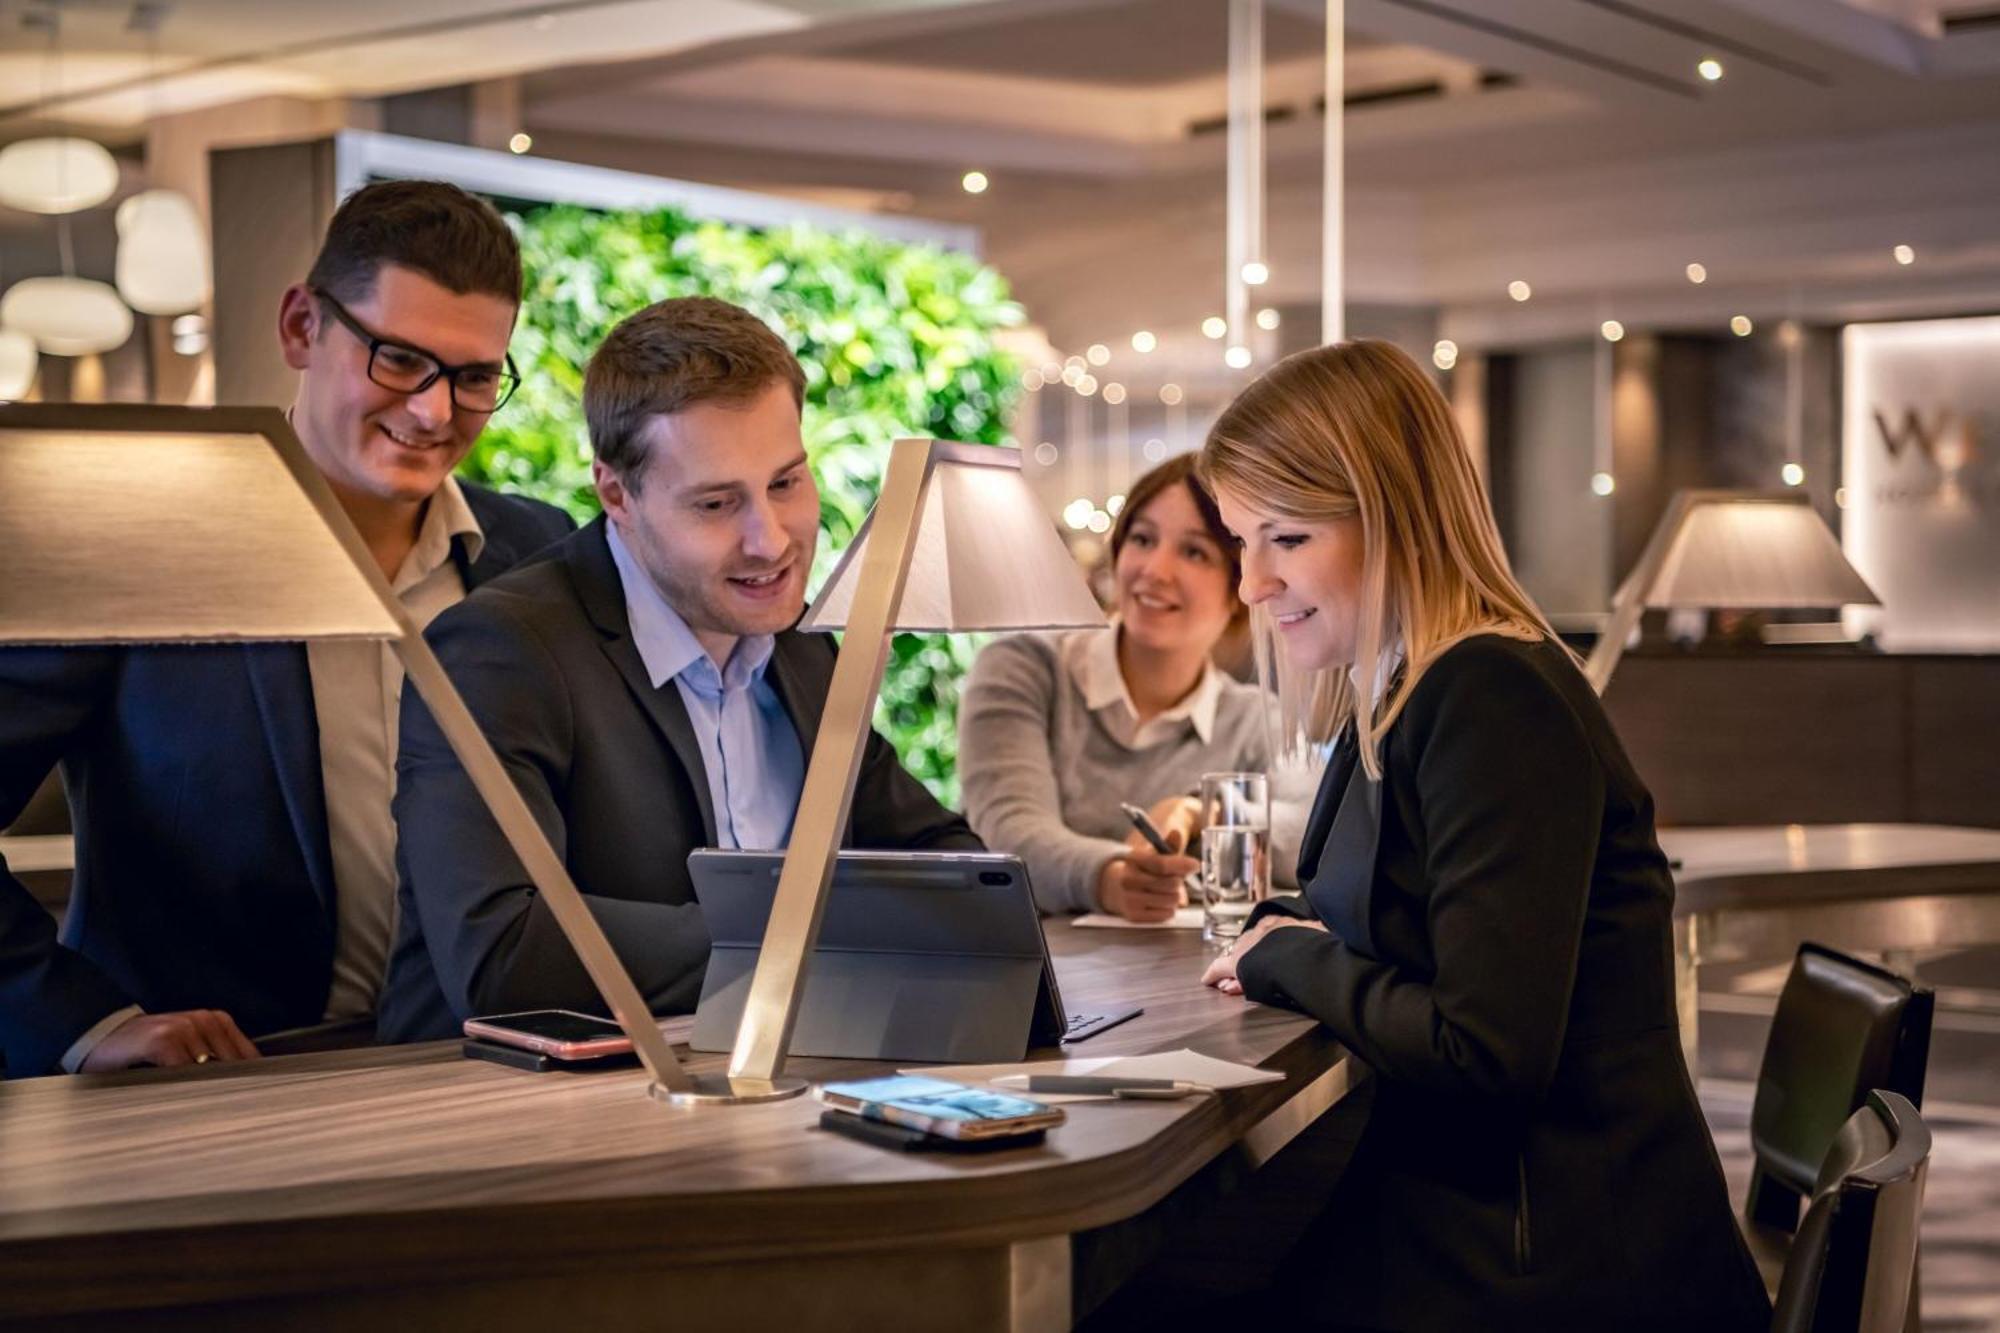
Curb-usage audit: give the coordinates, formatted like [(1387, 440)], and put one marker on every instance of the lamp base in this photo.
[(724, 1090)]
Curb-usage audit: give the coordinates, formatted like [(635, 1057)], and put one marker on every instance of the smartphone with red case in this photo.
[(561, 1034)]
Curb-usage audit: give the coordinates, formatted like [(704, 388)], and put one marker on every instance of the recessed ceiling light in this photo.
[(1793, 474), (973, 182), (1697, 273), (1114, 393), (1256, 273), (1214, 326), (1236, 358), (520, 143), (1144, 341), (1170, 394), (1097, 354), (1445, 354), (1267, 318), (1519, 290), (1741, 326), (1612, 330), (1603, 483), (1709, 68), (1904, 254)]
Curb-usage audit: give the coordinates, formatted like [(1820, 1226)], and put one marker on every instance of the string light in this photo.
[(1709, 68), (973, 182), (1519, 290), (1214, 326), (1612, 330), (1741, 326), (1143, 341), (1697, 273), (1267, 318)]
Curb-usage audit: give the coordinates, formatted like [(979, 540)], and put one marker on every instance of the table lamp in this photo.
[(956, 543), (1731, 550), (142, 524)]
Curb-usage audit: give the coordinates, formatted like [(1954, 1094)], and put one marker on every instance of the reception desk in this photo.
[(409, 1187)]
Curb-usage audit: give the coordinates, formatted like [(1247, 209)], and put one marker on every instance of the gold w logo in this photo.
[(1912, 429)]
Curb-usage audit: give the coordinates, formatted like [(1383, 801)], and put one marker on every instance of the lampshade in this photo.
[(1756, 552), (17, 364), (987, 557), (56, 175), (102, 546), (1730, 550), (162, 254), (67, 316)]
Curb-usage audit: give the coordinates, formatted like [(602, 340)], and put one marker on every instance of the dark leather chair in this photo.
[(1853, 1265), (1842, 1028)]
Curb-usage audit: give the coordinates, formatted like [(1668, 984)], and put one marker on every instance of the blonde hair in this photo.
[(1357, 430)]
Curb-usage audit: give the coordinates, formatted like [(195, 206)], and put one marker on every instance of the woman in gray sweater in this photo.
[(1057, 729)]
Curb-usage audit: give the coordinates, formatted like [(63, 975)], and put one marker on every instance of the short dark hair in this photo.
[(1179, 471), (455, 239), (670, 356)]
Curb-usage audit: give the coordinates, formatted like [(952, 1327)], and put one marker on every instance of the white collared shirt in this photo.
[(1091, 658), (357, 690)]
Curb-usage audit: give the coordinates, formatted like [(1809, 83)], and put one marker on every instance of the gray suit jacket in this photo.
[(611, 768)]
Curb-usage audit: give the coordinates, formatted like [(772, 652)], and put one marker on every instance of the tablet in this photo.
[(922, 956)]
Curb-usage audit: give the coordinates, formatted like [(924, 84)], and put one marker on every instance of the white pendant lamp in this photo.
[(56, 175), (162, 255), (67, 316), (17, 364)]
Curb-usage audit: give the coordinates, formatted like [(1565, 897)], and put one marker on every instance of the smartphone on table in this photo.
[(941, 1107), (560, 1034)]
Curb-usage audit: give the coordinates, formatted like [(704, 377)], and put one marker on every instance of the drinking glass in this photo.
[(1235, 851)]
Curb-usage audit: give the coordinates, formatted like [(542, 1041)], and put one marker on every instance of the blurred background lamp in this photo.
[(956, 543), (162, 253), (56, 175), (18, 358), (1731, 550), (67, 316), (129, 524)]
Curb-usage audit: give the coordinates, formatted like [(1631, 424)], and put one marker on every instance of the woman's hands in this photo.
[(1145, 885), (1221, 973)]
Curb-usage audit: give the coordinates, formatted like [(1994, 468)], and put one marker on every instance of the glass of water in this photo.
[(1235, 851)]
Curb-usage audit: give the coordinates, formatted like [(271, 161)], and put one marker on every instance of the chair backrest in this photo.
[(1851, 1266), (1842, 1028)]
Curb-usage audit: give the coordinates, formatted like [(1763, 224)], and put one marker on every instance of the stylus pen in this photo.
[(1110, 1086)]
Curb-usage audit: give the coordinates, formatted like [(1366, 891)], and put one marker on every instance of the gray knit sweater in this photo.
[(1043, 776)]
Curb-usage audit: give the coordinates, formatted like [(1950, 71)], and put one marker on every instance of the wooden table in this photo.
[(409, 1187), (1754, 893), (35, 852)]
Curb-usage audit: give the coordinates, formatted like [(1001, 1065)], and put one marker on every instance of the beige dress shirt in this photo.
[(357, 689)]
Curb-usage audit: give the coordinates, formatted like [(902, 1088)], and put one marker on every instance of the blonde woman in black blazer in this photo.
[(1487, 916)]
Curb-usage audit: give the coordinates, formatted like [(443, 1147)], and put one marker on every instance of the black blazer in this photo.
[(612, 770), (1499, 952), (204, 877)]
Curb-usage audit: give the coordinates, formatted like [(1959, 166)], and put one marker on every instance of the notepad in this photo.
[(1187, 918)]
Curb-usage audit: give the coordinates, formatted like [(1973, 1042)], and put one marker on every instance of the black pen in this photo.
[(1146, 829)]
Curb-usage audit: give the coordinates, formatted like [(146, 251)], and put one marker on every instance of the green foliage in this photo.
[(896, 339)]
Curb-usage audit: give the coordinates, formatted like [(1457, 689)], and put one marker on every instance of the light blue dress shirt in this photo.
[(749, 747)]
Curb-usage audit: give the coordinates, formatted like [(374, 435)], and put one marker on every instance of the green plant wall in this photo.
[(896, 339)]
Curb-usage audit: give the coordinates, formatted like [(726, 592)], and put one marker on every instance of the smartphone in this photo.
[(1146, 829), (561, 1034), (938, 1106)]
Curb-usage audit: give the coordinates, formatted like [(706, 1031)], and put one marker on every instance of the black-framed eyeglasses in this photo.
[(480, 387)]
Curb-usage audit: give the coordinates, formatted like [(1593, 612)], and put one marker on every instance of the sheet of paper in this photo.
[(1187, 918), (1186, 1065)]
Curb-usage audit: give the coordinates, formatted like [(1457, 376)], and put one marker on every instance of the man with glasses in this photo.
[(235, 852)]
